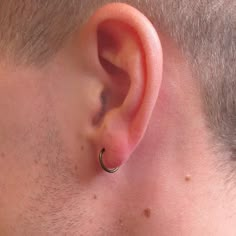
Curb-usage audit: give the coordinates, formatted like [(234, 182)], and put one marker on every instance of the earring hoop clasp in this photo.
[(111, 171)]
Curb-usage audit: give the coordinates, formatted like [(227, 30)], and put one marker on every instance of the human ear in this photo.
[(129, 64)]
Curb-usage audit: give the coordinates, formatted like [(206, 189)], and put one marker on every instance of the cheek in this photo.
[(46, 162), (18, 148), (17, 183), (38, 179)]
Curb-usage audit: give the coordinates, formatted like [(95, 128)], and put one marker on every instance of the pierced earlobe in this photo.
[(111, 171)]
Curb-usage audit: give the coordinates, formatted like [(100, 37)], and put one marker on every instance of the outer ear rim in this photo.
[(152, 46)]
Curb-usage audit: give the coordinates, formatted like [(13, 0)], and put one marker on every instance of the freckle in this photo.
[(82, 148), (76, 168), (120, 221), (95, 197), (36, 162), (187, 178), (147, 212), (2, 155)]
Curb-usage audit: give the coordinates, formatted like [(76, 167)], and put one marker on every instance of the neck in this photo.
[(177, 162)]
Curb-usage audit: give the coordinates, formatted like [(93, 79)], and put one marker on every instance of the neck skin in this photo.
[(175, 162)]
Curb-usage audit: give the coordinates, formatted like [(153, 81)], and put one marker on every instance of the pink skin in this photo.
[(53, 126)]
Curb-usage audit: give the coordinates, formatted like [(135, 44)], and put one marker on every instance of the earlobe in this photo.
[(130, 56)]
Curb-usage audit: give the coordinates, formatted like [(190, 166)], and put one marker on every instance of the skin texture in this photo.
[(121, 85)]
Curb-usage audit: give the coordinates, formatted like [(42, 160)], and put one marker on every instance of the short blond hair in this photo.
[(33, 31)]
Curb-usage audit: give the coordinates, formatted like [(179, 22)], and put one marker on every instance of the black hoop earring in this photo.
[(111, 171)]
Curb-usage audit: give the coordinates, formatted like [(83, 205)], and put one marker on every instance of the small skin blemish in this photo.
[(121, 223), (82, 148), (76, 168), (95, 197), (188, 178), (147, 213), (2, 154)]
